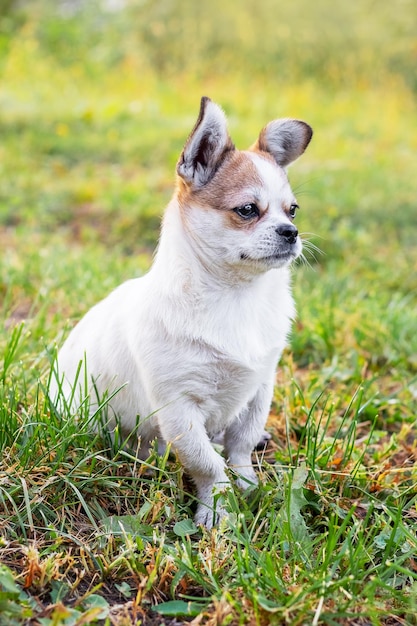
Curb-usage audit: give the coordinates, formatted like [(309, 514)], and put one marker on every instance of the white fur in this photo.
[(192, 346)]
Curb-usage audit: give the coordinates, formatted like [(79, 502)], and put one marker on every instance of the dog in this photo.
[(192, 346)]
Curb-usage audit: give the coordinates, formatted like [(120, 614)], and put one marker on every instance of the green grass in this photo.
[(94, 110)]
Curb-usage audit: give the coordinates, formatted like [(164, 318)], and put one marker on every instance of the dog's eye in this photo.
[(247, 211), (293, 210)]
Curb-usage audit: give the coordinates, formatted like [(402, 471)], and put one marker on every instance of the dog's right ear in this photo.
[(206, 147)]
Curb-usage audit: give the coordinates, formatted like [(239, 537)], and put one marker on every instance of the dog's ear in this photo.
[(285, 139), (206, 147)]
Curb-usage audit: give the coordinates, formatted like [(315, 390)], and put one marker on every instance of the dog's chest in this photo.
[(244, 326), (224, 386), (233, 348), (214, 347)]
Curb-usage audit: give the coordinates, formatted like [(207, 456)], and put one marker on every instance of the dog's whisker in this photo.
[(302, 260), (312, 257), (312, 248), (304, 233), (309, 246)]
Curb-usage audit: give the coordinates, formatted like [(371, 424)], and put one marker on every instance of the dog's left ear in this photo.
[(285, 139), (206, 147)]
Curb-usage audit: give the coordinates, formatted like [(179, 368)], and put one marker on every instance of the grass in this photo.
[(90, 137)]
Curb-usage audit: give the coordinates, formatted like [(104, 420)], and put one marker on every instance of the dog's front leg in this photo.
[(206, 467), (245, 432)]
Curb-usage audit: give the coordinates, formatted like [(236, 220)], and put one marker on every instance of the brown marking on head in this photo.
[(235, 183)]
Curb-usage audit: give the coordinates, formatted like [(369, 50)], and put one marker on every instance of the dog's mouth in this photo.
[(271, 259)]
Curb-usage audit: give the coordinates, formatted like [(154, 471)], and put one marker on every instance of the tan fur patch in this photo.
[(233, 185)]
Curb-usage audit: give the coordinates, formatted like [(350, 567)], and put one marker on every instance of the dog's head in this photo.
[(238, 206)]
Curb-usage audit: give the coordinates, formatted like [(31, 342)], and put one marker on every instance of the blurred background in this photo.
[(97, 98), (105, 91)]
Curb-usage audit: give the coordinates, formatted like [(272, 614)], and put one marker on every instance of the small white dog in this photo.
[(191, 347)]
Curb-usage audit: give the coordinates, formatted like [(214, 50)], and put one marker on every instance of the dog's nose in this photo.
[(288, 231)]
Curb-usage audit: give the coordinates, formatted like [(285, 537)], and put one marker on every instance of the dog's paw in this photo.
[(211, 510), (247, 479), (245, 475), (208, 516)]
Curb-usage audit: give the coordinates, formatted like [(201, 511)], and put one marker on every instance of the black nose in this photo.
[(288, 231)]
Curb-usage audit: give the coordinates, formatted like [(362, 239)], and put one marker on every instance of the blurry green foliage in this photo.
[(334, 41)]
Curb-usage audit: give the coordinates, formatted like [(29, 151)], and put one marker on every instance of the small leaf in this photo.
[(59, 591), (61, 615), (9, 606), (7, 581), (125, 589), (290, 512), (268, 605), (300, 477), (126, 524), (179, 608), (381, 540), (100, 604), (185, 527)]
